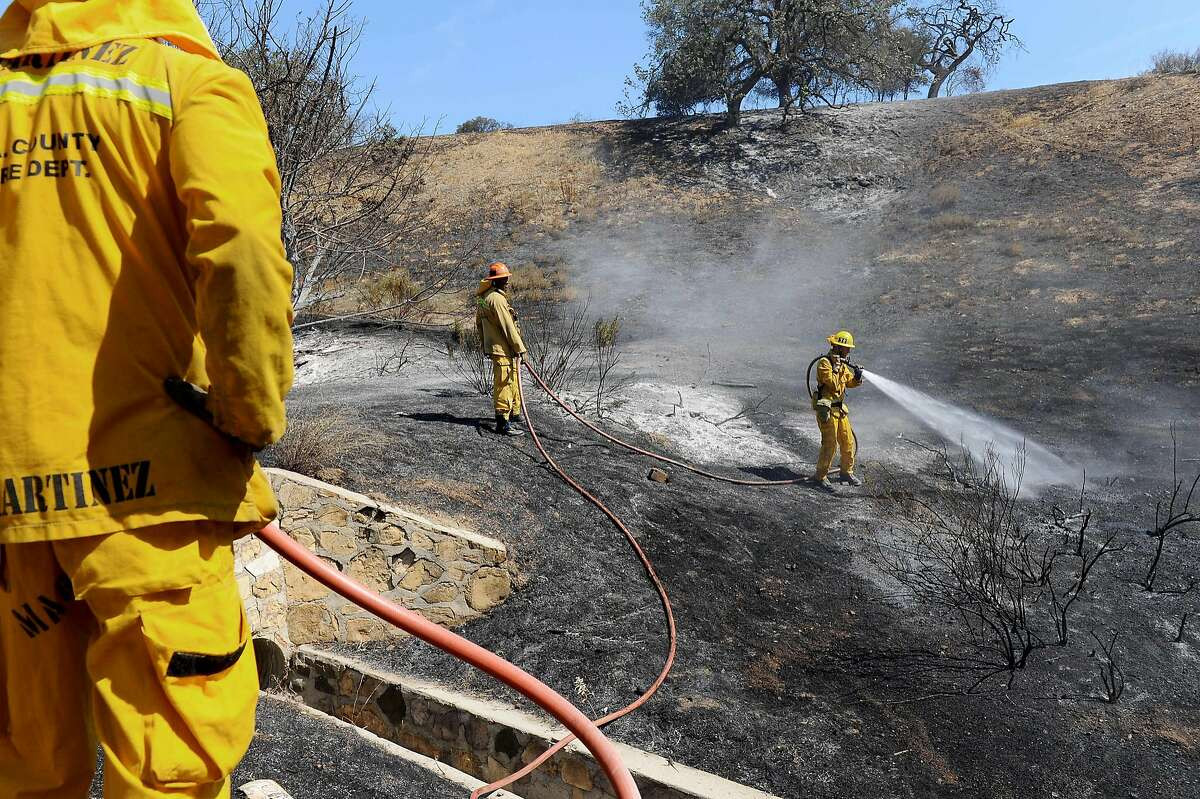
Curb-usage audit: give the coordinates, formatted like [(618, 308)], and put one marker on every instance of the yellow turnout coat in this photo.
[(139, 240), (498, 331)]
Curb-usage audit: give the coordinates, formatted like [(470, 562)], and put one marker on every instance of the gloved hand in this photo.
[(858, 373)]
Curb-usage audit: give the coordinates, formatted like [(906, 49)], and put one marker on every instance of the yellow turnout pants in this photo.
[(835, 433), (136, 640), (505, 392)]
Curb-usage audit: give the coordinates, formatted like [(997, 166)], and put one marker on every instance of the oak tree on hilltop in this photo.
[(720, 51), (482, 125), (957, 32), (801, 53)]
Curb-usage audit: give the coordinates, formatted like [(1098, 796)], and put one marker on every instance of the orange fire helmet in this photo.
[(497, 271)]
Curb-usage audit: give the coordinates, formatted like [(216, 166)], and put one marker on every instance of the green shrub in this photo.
[(482, 125)]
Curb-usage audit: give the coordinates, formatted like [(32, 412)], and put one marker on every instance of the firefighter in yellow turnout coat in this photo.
[(835, 374), (139, 202), (502, 343)]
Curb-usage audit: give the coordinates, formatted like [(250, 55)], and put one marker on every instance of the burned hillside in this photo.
[(1027, 255)]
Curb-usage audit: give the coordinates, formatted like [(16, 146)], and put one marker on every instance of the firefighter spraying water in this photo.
[(835, 374), (1021, 459)]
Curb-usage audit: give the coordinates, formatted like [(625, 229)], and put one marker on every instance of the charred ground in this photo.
[(1028, 254)]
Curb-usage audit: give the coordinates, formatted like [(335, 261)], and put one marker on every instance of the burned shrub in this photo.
[(1173, 511), (1112, 677), (468, 367), (969, 552), (969, 557), (1172, 62)]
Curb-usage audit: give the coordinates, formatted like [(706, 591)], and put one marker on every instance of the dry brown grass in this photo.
[(1013, 249), (916, 736), (1185, 736), (456, 490), (1143, 127), (1051, 231), (528, 177), (390, 288), (541, 282), (385, 289), (321, 439), (535, 183), (1023, 121), (945, 196), (1075, 296), (951, 221), (763, 674)]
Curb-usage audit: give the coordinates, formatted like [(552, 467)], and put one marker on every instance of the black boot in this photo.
[(505, 429)]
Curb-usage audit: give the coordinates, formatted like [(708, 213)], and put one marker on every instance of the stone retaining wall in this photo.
[(418, 720), (484, 738), (449, 576)]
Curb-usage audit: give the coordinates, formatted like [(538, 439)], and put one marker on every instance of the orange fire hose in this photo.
[(579, 724), (649, 567), (710, 475)]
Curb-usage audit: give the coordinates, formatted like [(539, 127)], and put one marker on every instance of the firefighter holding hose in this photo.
[(835, 374), (141, 247), (495, 322)]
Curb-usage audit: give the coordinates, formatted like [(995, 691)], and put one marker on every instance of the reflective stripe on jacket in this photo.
[(141, 218)]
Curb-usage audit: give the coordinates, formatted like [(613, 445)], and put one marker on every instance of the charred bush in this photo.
[(468, 366), (1111, 676), (969, 556), (559, 338), (571, 350), (970, 552), (1173, 512)]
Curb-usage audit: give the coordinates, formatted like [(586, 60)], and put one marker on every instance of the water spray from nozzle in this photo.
[(979, 435)]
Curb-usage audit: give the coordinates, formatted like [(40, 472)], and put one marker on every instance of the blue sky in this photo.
[(539, 62)]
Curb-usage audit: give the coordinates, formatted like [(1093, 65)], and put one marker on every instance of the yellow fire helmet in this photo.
[(842, 338)]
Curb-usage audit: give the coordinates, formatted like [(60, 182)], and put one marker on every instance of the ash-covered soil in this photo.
[(1029, 255), (785, 626)]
